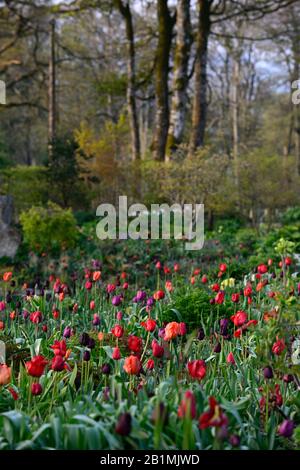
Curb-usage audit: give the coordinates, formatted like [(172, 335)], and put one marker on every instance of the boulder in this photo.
[(9, 237)]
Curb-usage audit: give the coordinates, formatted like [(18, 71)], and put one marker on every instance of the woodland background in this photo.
[(179, 101)]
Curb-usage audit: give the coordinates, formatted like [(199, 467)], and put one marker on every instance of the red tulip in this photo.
[(36, 389), (36, 366), (197, 369), (150, 324), (36, 317), (230, 359), (219, 299), (223, 267), (132, 365), (215, 417), (158, 295), (157, 350), (150, 364), (187, 407), (239, 318), (278, 347), (58, 363), (59, 348), (135, 343), (117, 331), (7, 276), (116, 355), (262, 269)]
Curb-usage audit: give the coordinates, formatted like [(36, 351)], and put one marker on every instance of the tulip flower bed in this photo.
[(203, 361)]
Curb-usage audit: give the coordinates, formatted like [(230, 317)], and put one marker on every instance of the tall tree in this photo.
[(211, 12), (180, 75), (51, 92), (200, 102), (165, 27), (125, 11)]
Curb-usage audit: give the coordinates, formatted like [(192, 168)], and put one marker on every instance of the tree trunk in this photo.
[(131, 81), (200, 103), (51, 92), (165, 27), (235, 118), (296, 108), (180, 80)]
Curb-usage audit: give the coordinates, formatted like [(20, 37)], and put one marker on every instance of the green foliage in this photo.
[(27, 185), (291, 216), (49, 228), (193, 308), (65, 186)]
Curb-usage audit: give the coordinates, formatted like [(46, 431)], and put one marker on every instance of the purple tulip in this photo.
[(96, 264), (96, 320), (140, 296), (161, 332), (224, 326), (286, 428), (116, 300), (25, 314), (67, 332), (150, 302), (234, 440)]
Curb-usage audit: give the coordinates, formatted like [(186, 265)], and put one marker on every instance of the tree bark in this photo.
[(165, 27), (200, 89), (296, 108), (235, 118), (180, 80), (125, 11), (51, 92)]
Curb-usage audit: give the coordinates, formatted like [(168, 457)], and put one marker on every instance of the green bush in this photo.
[(194, 309), (49, 228), (291, 216), (27, 185)]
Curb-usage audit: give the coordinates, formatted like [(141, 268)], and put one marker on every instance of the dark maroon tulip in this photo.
[(86, 356), (287, 378), (84, 339), (268, 372), (201, 334), (160, 413), (106, 369), (224, 326), (123, 426), (36, 389), (217, 348)]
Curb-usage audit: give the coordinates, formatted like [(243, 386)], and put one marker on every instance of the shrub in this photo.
[(194, 308), (27, 185), (49, 228)]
